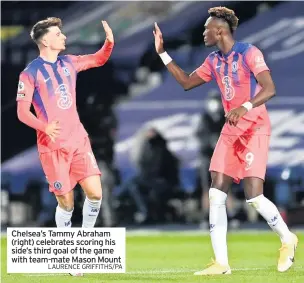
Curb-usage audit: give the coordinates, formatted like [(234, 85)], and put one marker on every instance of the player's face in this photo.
[(211, 33), (55, 39)]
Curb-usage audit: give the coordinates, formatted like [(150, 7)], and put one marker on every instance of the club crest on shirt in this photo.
[(66, 71), (234, 67), (65, 98)]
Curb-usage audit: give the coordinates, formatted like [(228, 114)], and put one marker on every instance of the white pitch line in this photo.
[(193, 270), (45, 275), (164, 271)]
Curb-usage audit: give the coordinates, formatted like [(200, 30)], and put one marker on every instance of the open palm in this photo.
[(158, 39)]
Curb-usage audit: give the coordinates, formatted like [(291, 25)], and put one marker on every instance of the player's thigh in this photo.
[(92, 187), (225, 164), (255, 157), (56, 166), (85, 171)]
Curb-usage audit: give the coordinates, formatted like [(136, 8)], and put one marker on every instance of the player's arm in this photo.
[(24, 100), (267, 91), (185, 80), (98, 59), (26, 116), (256, 63)]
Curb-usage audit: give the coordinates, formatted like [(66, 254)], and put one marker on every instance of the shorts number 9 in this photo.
[(249, 158)]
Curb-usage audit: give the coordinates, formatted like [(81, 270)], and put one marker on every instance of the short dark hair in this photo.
[(225, 14), (41, 28)]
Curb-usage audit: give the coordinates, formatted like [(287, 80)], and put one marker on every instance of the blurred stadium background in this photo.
[(120, 103)]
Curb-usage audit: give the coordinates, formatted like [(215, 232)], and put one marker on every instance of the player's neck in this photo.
[(226, 45), (48, 55)]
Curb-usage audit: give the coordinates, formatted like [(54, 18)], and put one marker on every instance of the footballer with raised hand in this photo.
[(242, 150), (49, 83)]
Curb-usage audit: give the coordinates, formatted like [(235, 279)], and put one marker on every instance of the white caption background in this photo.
[(66, 250)]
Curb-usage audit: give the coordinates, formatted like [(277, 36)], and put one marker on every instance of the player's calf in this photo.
[(90, 212), (92, 203), (218, 225), (63, 217), (289, 241), (270, 213), (64, 210)]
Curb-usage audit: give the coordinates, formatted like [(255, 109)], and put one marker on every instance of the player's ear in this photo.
[(44, 41), (219, 31)]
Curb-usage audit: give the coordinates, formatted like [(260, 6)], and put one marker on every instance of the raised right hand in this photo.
[(158, 37), (108, 31), (53, 130)]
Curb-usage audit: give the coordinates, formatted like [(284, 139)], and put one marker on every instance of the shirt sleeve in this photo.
[(98, 59), (255, 61), (26, 87), (25, 116), (205, 70)]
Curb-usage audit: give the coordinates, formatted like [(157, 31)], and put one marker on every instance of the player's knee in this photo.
[(67, 207), (66, 204), (253, 187), (95, 195), (217, 197), (219, 184), (256, 201)]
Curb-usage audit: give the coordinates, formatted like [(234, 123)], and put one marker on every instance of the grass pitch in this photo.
[(173, 257)]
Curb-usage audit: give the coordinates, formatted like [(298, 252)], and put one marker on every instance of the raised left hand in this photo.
[(108, 31), (158, 39), (233, 116)]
